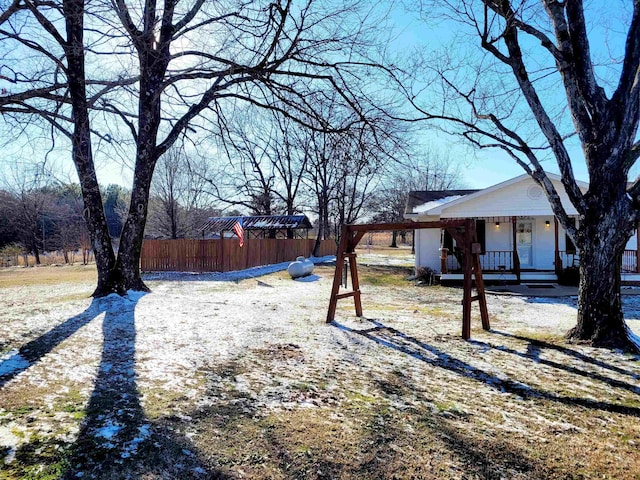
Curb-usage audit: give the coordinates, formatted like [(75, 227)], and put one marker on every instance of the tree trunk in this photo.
[(601, 240), (82, 154), (127, 271), (394, 239), (316, 246), (153, 64)]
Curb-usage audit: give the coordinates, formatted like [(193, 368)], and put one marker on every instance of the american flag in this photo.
[(239, 231)]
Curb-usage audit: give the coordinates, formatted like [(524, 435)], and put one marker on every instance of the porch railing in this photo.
[(629, 260), (490, 261), (568, 259)]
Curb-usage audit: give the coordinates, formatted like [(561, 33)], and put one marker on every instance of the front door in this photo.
[(524, 243)]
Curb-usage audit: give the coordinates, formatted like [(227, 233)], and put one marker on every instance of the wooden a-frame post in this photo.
[(463, 231)]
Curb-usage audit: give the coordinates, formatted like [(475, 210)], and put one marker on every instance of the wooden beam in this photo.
[(516, 258), (355, 240), (463, 230), (467, 285), (372, 227), (355, 284), (222, 269), (481, 297), (345, 295), (337, 276)]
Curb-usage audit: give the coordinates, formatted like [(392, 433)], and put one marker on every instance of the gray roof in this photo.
[(260, 222), (417, 198)]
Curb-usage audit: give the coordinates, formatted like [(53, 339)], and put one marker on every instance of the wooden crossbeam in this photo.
[(345, 295)]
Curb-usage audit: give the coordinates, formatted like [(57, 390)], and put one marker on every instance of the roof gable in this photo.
[(516, 196)]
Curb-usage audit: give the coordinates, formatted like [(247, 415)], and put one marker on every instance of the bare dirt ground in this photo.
[(237, 376)]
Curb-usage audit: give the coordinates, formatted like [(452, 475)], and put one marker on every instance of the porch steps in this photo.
[(543, 276), (506, 278)]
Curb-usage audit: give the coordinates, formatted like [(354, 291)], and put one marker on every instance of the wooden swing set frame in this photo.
[(464, 233)]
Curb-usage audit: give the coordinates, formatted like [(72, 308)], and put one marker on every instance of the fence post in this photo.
[(222, 251)]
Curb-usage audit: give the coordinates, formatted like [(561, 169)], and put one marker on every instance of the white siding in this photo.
[(498, 238), (517, 199), (427, 245)]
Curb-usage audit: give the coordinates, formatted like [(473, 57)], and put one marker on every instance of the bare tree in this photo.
[(8, 232), (531, 49), (168, 187), (342, 168), (426, 169), (247, 178), (188, 59), (53, 34), (266, 161), (65, 214), (27, 207), (177, 193)]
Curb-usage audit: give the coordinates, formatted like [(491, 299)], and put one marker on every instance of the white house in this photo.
[(518, 232)]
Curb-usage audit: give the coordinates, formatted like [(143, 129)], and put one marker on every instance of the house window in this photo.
[(569, 245)]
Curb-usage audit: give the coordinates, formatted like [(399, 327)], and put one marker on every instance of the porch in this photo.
[(538, 249)]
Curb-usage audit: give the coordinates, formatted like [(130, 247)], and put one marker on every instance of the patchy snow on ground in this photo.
[(199, 339)]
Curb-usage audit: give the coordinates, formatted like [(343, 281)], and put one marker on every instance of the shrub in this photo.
[(425, 275), (9, 255)]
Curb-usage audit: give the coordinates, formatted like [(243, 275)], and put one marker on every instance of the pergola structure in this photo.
[(464, 233), (260, 226)]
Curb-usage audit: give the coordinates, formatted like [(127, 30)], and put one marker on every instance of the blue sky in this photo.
[(607, 22), (480, 168)]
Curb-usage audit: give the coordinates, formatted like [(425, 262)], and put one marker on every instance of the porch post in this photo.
[(516, 259), (557, 261), (443, 259), (638, 249)]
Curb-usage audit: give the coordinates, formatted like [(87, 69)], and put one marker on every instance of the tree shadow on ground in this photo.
[(116, 440), (31, 353), (373, 452), (535, 346), (397, 340)]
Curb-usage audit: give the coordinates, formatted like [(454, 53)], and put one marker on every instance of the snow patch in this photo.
[(9, 441), (108, 431), (425, 207), (131, 448), (234, 276)]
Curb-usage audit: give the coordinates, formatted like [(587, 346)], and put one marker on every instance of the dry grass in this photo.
[(383, 250), (47, 275), (513, 403)]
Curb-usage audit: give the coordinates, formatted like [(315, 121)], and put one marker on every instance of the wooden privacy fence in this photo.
[(190, 255)]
